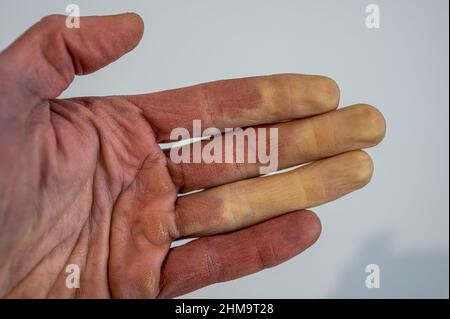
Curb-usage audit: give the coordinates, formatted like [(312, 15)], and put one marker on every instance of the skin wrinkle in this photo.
[(106, 192), (282, 93), (326, 145), (228, 211), (231, 252), (52, 225), (178, 175), (341, 175), (319, 182), (151, 282), (315, 139), (184, 279), (135, 103), (10, 79), (147, 156), (265, 254), (290, 94), (36, 119), (70, 254), (37, 265), (268, 98), (58, 111), (46, 233), (107, 153), (65, 207), (98, 150), (185, 276), (77, 112), (88, 243), (89, 248), (131, 203), (183, 225), (78, 236), (180, 230), (133, 181), (328, 137), (238, 168), (282, 145), (237, 102), (58, 143), (150, 109), (158, 239), (66, 76), (108, 253), (90, 221), (206, 109), (212, 266), (77, 66), (333, 133)]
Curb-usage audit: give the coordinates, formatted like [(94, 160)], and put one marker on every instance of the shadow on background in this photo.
[(412, 275)]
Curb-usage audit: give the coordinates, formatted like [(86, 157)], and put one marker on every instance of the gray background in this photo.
[(400, 221)]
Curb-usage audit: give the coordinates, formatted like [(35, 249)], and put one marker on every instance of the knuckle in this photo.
[(53, 20), (316, 93), (213, 268)]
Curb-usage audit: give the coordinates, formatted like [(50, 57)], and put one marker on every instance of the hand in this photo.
[(84, 181)]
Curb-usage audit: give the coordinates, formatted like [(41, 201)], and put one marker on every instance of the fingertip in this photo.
[(310, 226), (368, 122), (137, 21), (361, 168), (328, 93), (132, 27)]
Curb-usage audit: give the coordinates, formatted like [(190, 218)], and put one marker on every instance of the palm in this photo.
[(93, 188), (98, 174)]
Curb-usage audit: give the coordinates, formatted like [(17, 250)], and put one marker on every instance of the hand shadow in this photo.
[(422, 274)]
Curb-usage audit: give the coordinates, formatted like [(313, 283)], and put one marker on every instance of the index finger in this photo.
[(238, 102)]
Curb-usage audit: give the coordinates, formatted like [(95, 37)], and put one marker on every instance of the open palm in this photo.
[(85, 182)]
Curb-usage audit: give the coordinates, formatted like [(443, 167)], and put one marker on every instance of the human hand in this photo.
[(84, 181)]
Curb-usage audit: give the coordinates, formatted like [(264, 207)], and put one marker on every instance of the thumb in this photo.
[(46, 57)]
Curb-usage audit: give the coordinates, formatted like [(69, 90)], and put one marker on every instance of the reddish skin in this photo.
[(301, 230), (224, 95), (84, 181)]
